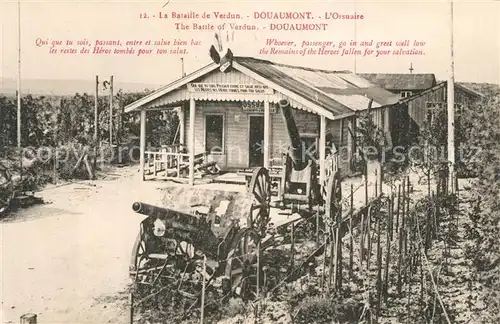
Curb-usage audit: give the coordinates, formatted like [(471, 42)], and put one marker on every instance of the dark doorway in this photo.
[(256, 141)]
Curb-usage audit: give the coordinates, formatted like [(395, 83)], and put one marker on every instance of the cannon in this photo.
[(301, 189), (223, 228)]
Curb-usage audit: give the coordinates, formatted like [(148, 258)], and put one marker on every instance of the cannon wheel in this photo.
[(241, 265), (144, 270), (260, 187), (333, 196)]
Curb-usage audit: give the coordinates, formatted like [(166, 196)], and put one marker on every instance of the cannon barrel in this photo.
[(181, 226), (293, 133), (176, 219), (147, 209)]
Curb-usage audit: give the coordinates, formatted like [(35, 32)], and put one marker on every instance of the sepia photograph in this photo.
[(250, 162)]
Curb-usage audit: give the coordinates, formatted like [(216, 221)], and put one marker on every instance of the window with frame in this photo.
[(406, 94), (431, 110), (214, 133)]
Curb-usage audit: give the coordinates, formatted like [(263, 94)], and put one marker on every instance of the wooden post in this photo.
[(362, 238), (390, 216), (379, 267), (397, 210), (407, 212), (317, 228), (203, 289), (131, 313), (142, 142), (366, 185), (351, 240), (292, 246), (401, 238), (258, 271), (111, 111), (323, 275), (267, 133), (96, 120), (337, 279), (192, 110), (369, 237), (182, 126), (333, 256), (381, 179), (387, 257), (28, 319), (322, 150)]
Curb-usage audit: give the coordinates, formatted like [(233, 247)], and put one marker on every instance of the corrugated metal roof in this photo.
[(337, 91), (401, 81)]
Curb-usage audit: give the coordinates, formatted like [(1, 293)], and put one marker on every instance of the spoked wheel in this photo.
[(242, 273), (333, 203), (157, 262), (260, 187)]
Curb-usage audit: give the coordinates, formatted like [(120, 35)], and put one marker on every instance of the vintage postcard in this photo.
[(245, 161)]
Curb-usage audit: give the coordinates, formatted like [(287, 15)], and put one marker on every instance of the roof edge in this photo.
[(169, 87)]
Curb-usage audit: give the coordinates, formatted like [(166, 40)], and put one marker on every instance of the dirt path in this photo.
[(68, 261)]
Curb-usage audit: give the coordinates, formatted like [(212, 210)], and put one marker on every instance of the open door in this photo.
[(256, 141)]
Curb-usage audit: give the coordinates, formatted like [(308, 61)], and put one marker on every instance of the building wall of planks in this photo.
[(236, 131)]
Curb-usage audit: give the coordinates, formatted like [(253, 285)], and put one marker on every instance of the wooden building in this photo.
[(231, 115), (422, 107), (402, 84)]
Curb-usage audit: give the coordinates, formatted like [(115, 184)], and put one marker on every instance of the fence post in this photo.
[(351, 240), (203, 290), (131, 301)]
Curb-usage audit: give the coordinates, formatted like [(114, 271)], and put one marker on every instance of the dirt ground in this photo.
[(67, 261)]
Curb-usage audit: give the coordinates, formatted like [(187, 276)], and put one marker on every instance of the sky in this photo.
[(476, 35)]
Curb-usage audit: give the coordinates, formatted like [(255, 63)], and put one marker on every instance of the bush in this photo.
[(326, 310)]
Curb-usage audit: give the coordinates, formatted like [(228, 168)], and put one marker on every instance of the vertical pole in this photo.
[(362, 238), (292, 247), (369, 237), (19, 89), (381, 179), (322, 149), (192, 109), (451, 109), (182, 124), (351, 240), (19, 76), (388, 251), (142, 142), (131, 314), (203, 289), (111, 111), (267, 133), (337, 279), (379, 266), (397, 210), (366, 185), (258, 270), (96, 119), (350, 142)]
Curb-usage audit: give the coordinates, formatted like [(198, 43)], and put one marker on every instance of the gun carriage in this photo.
[(229, 229), (225, 227), (300, 187)]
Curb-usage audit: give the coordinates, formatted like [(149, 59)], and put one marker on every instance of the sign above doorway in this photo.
[(229, 88), (256, 107)]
